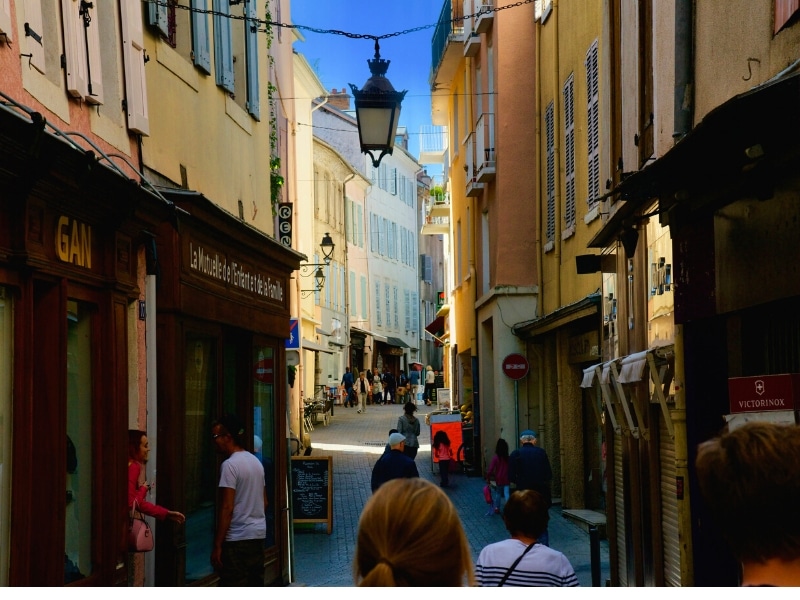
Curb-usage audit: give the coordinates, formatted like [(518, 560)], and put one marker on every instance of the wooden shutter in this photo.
[(549, 127), (34, 28), (407, 300), (5, 20), (200, 39), (784, 10), (593, 124), (251, 51), (134, 59), (223, 53), (569, 152), (158, 17)]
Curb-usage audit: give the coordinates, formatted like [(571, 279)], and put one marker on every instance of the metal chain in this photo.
[(347, 34)]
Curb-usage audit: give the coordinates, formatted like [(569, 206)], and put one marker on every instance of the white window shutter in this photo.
[(5, 20), (133, 57), (74, 48), (95, 74), (200, 39), (34, 23), (251, 49), (223, 53)]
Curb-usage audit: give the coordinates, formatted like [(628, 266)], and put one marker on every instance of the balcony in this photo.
[(474, 187), (432, 144), (472, 39), (484, 18), (485, 153), (447, 52)]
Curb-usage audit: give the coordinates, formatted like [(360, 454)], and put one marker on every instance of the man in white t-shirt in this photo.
[(238, 552)]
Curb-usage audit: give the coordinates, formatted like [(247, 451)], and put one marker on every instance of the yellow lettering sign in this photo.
[(74, 242)]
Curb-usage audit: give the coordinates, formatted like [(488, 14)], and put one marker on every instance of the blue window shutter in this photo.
[(158, 17), (200, 41), (223, 53), (251, 48)]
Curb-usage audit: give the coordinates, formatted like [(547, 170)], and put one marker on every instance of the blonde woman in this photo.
[(410, 534), (430, 381)]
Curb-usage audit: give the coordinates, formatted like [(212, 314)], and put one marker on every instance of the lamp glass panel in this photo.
[(375, 126)]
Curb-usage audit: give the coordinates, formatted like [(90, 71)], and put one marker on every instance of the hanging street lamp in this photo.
[(377, 110)]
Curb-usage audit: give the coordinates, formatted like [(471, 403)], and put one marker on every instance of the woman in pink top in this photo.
[(138, 452), (498, 470)]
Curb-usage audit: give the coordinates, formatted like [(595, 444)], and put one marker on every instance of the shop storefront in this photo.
[(223, 317), (73, 239)]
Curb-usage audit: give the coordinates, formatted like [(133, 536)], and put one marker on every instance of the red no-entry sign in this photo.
[(515, 366)]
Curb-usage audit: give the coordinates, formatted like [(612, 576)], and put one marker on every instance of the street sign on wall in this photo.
[(515, 366), (285, 223)]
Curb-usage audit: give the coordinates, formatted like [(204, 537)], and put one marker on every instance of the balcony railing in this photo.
[(449, 29), (473, 187), (485, 153), (485, 18), (472, 39), (432, 144)]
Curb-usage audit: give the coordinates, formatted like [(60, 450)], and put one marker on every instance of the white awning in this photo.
[(315, 347), (632, 367), (588, 376)]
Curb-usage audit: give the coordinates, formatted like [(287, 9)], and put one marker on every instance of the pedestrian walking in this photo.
[(389, 384), (522, 560), (529, 469), (377, 391), (394, 464), (409, 426), (361, 388), (410, 534), (444, 454), (238, 550), (430, 382), (348, 382), (497, 475)]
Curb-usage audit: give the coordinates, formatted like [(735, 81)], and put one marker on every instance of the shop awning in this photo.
[(309, 345), (362, 331), (393, 341), (436, 326)]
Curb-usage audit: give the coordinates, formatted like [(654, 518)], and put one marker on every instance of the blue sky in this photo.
[(340, 60)]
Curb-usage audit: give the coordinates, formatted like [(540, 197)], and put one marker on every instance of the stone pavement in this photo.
[(355, 441)]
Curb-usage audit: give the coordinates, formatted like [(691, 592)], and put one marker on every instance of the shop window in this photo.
[(200, 460), (264, 430), (79, 509), (7, 359)]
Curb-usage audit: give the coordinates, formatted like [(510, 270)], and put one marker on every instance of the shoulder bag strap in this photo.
[(514, 566)]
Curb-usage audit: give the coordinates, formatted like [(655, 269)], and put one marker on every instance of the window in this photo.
[(264, 429), (352, 309), (593, 125), (426, 268), (414, 312), (7, 359), (407, 301), (569, 153), (251, 57), (388, 306), (549, 127), (396, 307), (80, 468)]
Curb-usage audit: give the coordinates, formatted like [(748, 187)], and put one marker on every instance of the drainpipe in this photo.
[(684, 46)]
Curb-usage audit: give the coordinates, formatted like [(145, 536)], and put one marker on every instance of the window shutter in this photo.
[(363, 297), (5, 20), (378, 303), (133, 57), (569, 152), (407, 299), (34, 47), (200, 39), (158, 17), (74, 48), (551, 175), (428, 277), (414, 312), (396, 308), (360, 211), (251, 48), (784, 9), (352, 309), (223, 53), (95, 95), (593, 124), (393, 181)]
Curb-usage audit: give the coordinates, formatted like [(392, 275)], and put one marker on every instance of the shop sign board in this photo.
[(764, 393)]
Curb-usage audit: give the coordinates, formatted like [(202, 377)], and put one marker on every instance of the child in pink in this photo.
[(498, 470), (444, 454)]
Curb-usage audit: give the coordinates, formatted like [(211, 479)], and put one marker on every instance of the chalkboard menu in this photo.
[(312, 490)]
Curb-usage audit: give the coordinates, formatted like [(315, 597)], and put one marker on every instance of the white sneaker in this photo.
[(358, 411)]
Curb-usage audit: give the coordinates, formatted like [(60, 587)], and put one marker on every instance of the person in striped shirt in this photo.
[(521, 561)]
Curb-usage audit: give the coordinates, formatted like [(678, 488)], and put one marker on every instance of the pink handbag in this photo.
[(140, 536)]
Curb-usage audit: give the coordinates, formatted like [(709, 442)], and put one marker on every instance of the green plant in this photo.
[(276, 180)]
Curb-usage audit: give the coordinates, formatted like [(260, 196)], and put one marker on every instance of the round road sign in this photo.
[(515, 366)]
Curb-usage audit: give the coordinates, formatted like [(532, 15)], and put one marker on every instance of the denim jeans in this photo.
[(444, 471)]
